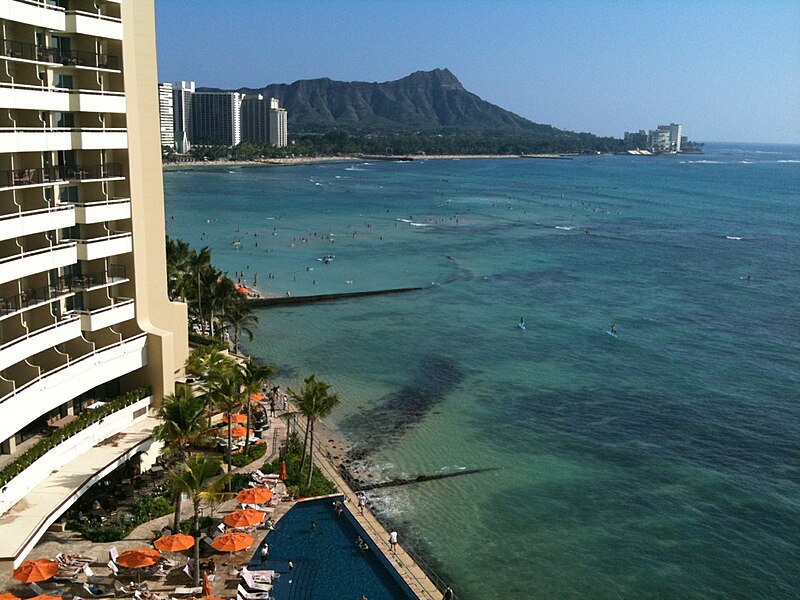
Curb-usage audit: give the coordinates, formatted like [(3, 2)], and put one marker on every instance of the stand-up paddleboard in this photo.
[(521, 326), (611, 333)]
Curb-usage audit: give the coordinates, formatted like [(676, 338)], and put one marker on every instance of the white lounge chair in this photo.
[(253, 585), (48, 591), (243, 593)]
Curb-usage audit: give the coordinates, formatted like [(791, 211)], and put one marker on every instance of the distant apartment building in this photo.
[(664, 139), (89, 342), (182, 110), (216, 118), (223, 118), (278, 131), (166, 114)]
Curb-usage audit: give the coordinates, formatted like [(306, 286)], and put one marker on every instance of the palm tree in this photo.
[(239, 316), (183, 424), (208, 364), (224, 390), (253, 376), (313, 402), (194, 478)]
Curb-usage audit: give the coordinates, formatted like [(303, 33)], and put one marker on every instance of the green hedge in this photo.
[(206, 340), (43, 446), (120, 527), (254, 452)]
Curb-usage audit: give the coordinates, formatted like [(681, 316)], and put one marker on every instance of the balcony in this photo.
[(121, 309), (22, 51), (23, 264), (114, 275), (102, 247), (31, 298), (23, 178), (81, 374), (38, 14), (112, 209), (32, 97), (54, 139), (103, 172), (93, 24), (36, 221), (33, 342)]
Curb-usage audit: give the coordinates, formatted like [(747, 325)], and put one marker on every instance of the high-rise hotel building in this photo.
[(84, 313)]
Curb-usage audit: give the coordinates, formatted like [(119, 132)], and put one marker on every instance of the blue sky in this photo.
[(727, 70)]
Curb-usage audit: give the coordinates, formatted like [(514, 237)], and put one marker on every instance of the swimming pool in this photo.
[(327, 563)]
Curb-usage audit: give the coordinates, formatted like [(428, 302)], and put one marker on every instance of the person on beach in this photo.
[(393, 541)]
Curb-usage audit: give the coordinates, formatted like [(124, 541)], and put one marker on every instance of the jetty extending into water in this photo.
[(285, 300)]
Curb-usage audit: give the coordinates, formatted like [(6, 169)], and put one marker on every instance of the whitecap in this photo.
[(564, 228), (732, 237)]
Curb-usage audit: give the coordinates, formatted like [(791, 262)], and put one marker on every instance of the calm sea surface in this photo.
[(663, 463)]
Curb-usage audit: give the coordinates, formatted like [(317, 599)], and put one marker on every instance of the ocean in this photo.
[(660, 463)]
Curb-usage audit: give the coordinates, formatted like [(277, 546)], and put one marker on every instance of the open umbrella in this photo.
[(257, 397), (244, 518), (7, 596), (282, 475), (46, 597), (256, 495), (232, 542), (174, 543), (138, 558), (235, 418), (32, 571), (239, 431)]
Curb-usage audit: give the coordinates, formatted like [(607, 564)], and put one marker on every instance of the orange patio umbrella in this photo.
[(256, 397), (46, 597), (232, 542), (235, 418), (138, 558), (257, 495), (32, 571), (240, 431), (7, 596), (243, 518), (173, 543)]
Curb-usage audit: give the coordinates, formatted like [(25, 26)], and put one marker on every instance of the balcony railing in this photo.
[(80, 58), (81, 283), (42, 175), (32, 297)]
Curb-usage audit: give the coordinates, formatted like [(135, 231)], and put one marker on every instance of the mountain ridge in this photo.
[(429, 101)]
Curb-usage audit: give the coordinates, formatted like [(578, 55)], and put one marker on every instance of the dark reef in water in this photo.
[(400, 411)]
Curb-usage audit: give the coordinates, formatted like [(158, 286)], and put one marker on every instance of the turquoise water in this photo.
[(661, 463)]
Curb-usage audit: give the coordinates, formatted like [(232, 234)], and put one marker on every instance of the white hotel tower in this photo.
[(84, 314)]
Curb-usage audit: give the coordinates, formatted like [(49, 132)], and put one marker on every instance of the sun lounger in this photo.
[(46, 591), (97, 592), (253, 585), (113, 553), (243, 593)]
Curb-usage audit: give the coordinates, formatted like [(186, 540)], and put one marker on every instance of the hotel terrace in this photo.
[(84, 314)]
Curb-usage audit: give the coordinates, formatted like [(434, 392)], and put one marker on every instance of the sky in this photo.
[(727, 70)]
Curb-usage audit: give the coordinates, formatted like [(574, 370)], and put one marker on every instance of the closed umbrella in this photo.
[(282, 475), (206, 589), (232, 542), (174, 543), (244, 518), (32, 571), (256, 495)]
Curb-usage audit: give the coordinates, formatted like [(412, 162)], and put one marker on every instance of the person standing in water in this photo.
[(613, 329)]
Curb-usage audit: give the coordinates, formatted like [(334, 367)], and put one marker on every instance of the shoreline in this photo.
[(313, 160)]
